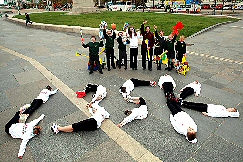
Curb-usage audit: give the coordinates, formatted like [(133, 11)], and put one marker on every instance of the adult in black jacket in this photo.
[(109, 47), (159, 46)]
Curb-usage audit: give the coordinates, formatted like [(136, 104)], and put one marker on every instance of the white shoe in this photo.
[(54, 128)]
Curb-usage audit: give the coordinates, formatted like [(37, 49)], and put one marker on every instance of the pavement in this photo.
[(33, 58)]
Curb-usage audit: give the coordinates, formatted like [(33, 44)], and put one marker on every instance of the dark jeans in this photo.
[(91, 88), (186, 92), (174, 107), (195, 106), (137, 82), (110, 55), (122, 55), (144, 53), (133, 57), (92, 59)]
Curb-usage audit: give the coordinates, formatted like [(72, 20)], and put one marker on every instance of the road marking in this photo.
[(125, 141), (215, 57)]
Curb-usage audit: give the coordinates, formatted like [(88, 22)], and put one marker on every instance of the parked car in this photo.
[(227, 7), (219, 7), (205, 6)]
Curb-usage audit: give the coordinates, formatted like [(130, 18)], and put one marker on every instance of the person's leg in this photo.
[(120, 59), (14, 120), (171, 107), (85, 125), (91, 88), (108, 59), (143, 53), (135, 63), (68, 128), (195, 106), (36, 103), (112, 59), (125, 59), (131, 58), (176, 106), (168, 88), (97, 62), (186, 92), (150, 59), (91, 61)]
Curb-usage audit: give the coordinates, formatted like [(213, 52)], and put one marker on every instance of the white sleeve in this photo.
[(130, 118), (36, 121), (91, 111), (198, 90), (107, 115), (174, 84), (54, 92), (175, 124), (24, 142), (218, 114)]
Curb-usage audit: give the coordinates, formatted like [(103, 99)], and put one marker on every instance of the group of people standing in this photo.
[(152, 44)]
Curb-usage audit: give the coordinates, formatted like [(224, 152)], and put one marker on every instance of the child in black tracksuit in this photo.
[(122, 50), (170, 47), (180, 48)]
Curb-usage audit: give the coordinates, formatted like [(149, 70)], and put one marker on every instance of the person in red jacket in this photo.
[(147, 46)]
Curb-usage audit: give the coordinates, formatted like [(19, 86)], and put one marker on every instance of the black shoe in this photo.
[(166, 68), (158, 68), (119, 67), (144, 68), (125, 68), (90, 72), (109, 69), (150, 69), (169, 69), (101, 72), (135, 69), (114, 67)]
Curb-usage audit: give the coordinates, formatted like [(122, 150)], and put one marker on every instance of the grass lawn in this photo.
[(164, 21)]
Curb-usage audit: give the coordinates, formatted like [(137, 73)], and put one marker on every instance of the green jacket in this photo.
[(109, 40), (94, 47)]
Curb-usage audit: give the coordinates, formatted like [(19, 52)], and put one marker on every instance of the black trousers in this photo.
[(144, 53), (157, 52), (168, 88), (92, 59), (186, 92), (14, 120), (85, 125), (36, 103), (122, 55), (138, 82), (91, 88), (195, 106), (110, 55), (179, 56), (174, 107), (133, 57)]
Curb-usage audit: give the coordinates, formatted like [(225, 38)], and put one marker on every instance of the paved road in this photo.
[(32, 59)]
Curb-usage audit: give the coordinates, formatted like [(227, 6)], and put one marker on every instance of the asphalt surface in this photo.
[(33, 58)]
